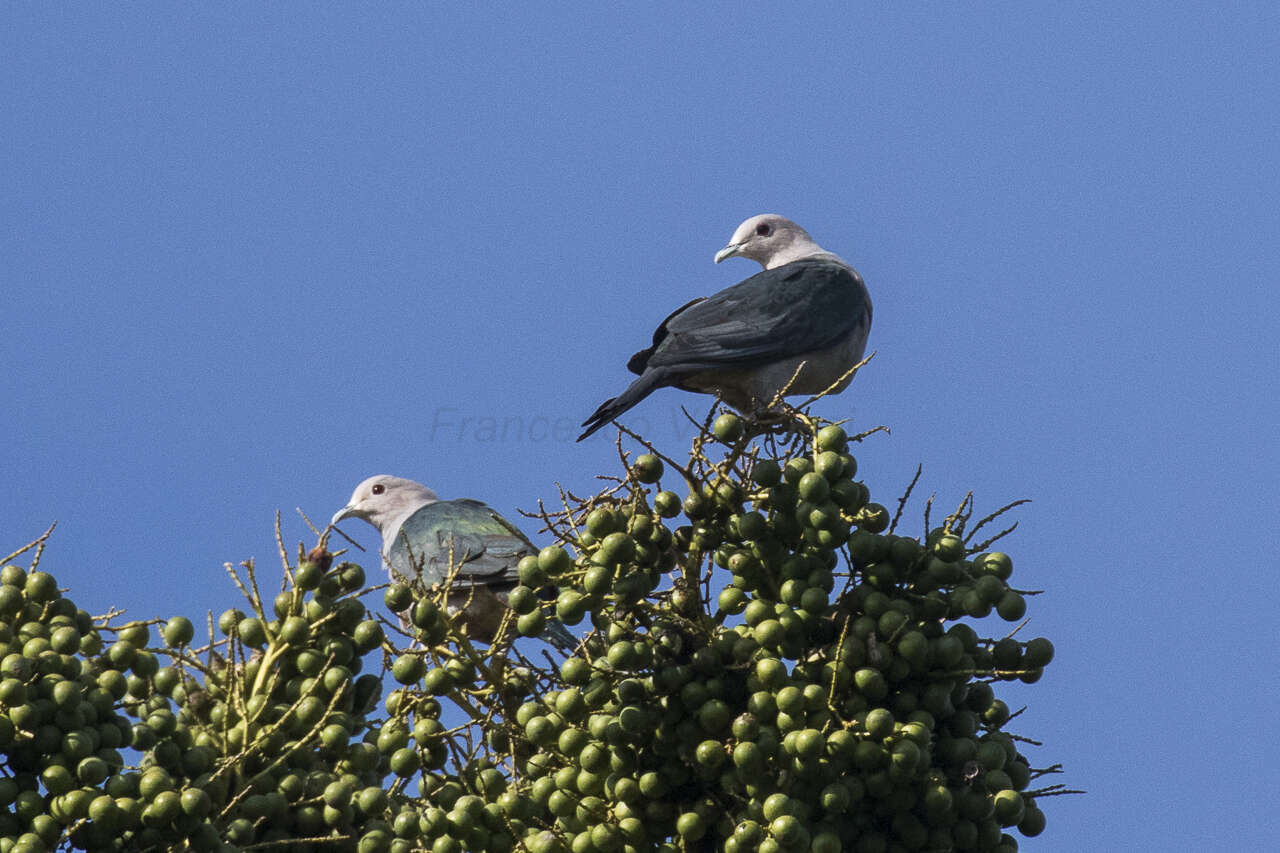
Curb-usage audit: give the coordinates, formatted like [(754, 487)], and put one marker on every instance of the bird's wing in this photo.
[(637, 362), (796, 308), (482, 545)]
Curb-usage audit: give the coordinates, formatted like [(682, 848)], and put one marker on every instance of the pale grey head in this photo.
[(385, 502), (771, 240)]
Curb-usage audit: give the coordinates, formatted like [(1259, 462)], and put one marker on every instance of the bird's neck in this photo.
[(389, 526), (802, 251)]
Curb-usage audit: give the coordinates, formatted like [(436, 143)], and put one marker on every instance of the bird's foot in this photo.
[(775, 420)]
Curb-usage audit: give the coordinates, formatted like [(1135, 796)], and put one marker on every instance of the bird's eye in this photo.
[(378, 488), (764, 229)]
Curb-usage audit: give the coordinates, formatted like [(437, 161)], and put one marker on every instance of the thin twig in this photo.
[(993, 516), (987, 544), (38, 542), (902, 501), (847, 376)]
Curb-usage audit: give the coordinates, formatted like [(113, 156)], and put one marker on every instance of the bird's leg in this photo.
[(774, 420)]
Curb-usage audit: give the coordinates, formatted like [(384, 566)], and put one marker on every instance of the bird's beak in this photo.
[(728, 251), (346, 512)]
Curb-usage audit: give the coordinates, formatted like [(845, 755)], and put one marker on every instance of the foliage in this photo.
[(765, 666)]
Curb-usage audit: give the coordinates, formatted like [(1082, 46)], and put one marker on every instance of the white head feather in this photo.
[(772, 240), (385, 502)]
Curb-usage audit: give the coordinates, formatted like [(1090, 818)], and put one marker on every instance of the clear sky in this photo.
[(249, 257)]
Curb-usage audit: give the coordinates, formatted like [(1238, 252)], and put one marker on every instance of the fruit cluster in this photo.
[(255, 743), (818, 701), (765, 666)]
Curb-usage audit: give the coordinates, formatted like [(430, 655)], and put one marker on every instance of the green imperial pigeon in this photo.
[(746, 342), (423, 536)]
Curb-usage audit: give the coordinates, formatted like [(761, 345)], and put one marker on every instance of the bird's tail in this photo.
[(558, 635), (648, 382)]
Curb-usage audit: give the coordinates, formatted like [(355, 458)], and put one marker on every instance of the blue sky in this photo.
[(252, 256)]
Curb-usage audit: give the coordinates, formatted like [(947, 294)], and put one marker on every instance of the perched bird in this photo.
[(746, 342), (423, 536)]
